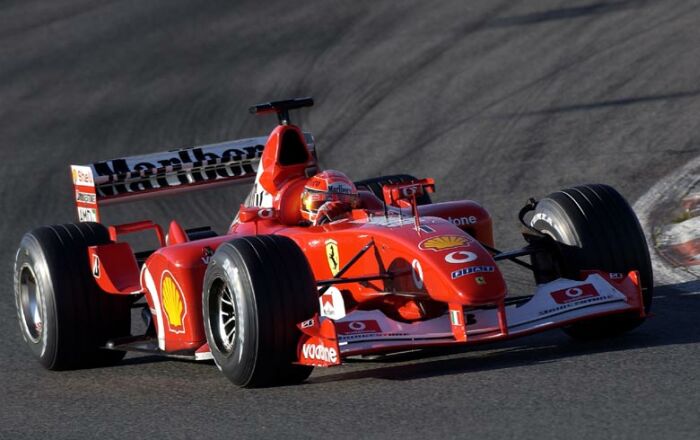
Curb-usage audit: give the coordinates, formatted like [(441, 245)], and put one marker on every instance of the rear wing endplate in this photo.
[(153, 175)]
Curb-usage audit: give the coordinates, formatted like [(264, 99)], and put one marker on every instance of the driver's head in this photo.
[(328, 186)]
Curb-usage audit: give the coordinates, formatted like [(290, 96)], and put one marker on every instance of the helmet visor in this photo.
[(312, 200)]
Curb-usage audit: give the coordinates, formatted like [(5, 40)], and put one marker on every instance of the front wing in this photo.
[(555, 304)]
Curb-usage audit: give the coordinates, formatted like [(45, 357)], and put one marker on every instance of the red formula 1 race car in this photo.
[(315, 268)]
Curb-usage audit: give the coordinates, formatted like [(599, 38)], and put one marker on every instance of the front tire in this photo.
[(595, 228), (63, 315), (256, 290)]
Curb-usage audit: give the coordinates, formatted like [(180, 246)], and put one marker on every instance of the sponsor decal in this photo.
[(340, 188), (458, 257), (82, 175), (357, 327), (574, 294), (462, 221), (480, 281), (173, 303), (95, 266), (332, 304), (228, 266), (259, 197), (327, 305), (417, 274), (333, 256), (308, 323), (319, 352), (616, 276), (541, 216), (454, 317), (360, 336), (470, 270), (176, 168), (87, 214), (575, 304), (458, 318), (85, 197), (207, 253), (443, 242)]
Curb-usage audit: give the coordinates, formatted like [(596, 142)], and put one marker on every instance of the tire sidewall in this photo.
[(551, 220), (32, 256), (239, 363)]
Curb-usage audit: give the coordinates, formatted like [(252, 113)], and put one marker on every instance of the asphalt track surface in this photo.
[(497, 100)]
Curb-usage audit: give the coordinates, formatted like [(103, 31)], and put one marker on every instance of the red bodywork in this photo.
[(422, 276)]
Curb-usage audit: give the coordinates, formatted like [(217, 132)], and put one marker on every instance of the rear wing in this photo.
[(152, 175)]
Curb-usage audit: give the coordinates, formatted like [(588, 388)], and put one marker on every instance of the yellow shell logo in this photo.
[(443, 242), (173, 303)]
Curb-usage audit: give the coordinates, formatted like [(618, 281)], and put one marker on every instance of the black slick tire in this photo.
[(256, 290), (595, 228), (63, 315)]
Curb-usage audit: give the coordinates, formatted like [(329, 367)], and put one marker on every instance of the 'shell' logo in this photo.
[(333, 256), (173, 303), (443, 242), (82, 176), (573, 294)]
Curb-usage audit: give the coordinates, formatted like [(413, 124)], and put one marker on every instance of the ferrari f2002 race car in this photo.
[(276, 296)]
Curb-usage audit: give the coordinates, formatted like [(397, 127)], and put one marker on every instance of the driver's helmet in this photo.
[(328, 186)]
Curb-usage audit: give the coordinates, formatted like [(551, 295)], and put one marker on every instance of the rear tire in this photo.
[(256, 290), (376, 184), (596, 229), (63, 315)]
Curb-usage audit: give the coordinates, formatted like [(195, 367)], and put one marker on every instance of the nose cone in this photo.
[(466, 272), (478, 283)]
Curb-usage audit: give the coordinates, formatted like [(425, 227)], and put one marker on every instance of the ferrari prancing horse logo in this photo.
[(333, 256)]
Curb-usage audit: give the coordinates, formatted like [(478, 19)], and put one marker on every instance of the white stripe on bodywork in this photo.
[(151, 286)]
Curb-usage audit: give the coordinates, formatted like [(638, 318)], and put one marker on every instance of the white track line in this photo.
[(674, 186)]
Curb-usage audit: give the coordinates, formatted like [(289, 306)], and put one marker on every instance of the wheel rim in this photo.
[(223, 316), (31, 304), (226, 313)]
